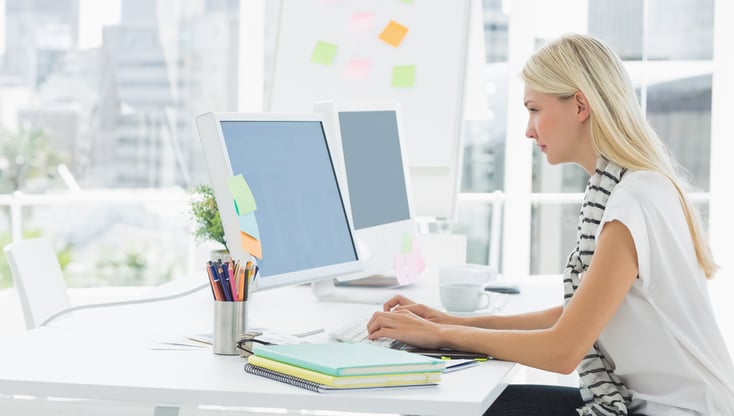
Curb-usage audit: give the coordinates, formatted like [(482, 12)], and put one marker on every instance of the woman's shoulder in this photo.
[(647, 188)]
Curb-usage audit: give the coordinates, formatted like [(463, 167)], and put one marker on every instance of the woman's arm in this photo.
[(532, 320), (559, 347), (541, 319)]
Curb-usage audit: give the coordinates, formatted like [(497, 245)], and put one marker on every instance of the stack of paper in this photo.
[(339, 366)]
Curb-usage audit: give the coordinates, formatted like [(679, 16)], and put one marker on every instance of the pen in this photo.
[(241, 287), (216, 289), (230, 277), (248, 279), (223, 279), (215, 282)]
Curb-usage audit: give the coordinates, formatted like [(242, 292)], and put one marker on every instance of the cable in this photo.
[(122, 303)]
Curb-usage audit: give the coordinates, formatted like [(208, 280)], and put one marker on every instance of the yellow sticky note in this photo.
[(403, 76), (324, 53), (243, 198), (393, 33), (251, 245)]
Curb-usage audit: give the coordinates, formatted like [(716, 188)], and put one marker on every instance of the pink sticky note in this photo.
[(361, 22), (409, 266), (401, 269), (358, 68), (416, 265)]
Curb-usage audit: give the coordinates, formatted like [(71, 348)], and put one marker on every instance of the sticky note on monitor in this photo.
[(248, 224), (243, 198), (251, 245), (407, 244)]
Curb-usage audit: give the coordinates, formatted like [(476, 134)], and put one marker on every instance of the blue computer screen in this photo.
[(374, 166), (300, 213)]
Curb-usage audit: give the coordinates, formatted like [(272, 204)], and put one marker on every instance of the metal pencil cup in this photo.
[(230, 323)]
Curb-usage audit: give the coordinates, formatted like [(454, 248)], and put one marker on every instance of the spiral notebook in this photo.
[(344, 359), (370, 380), (322, 388)]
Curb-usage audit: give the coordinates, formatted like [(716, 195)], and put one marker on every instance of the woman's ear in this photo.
[(582, 106)]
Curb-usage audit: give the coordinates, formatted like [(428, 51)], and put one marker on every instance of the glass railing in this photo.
[(132, 237)]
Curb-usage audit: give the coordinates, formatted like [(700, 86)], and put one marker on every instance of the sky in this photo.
[(93, 15)]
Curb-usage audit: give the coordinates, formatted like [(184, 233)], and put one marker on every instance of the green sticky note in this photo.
[(403, 76), (243, 198), (324, 53), (407, 244)]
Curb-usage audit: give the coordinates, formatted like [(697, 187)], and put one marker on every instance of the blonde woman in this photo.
[(636, 322)]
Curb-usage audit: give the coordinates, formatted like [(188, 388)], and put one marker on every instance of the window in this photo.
[(97, 106), (667, 48)]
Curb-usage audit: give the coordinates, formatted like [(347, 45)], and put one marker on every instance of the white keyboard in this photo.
[(356, 331)]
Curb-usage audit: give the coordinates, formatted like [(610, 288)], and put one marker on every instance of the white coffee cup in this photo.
[(463, 297), (478, 274)]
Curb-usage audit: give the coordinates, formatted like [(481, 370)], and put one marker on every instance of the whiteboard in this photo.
[(333, 50)]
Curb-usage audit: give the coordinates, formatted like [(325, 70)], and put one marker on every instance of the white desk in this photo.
[(68, 359)]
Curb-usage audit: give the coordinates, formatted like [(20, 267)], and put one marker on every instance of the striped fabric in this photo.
[(609, 394)]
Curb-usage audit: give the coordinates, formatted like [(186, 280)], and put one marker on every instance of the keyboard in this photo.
[(356, 331)]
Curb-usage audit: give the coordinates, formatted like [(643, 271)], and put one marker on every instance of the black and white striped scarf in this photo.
[(610, 395)]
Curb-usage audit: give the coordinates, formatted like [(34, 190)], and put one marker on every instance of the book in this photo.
[(343, 358), (372, 380), (317, 387)]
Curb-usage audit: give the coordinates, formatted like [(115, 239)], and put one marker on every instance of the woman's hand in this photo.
[(401, 303), (405, 326)]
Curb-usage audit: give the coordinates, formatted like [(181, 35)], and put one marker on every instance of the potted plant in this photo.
[(205, 214)]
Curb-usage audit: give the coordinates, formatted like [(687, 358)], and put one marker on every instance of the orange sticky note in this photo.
[(251, 245), (394, 33)]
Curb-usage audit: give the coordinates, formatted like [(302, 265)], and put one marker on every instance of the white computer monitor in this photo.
[(370, 155), (304, 228)]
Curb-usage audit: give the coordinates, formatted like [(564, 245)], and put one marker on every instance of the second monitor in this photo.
[(370, 155)]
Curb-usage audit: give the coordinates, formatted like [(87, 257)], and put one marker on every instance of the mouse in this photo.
[(502, 287)]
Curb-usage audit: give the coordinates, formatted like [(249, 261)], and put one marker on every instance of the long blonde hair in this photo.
[(619, 131)]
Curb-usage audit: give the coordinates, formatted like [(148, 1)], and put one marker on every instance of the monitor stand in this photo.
[(372, 291)]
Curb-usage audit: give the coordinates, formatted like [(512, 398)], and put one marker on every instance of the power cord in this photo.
[(123, 303)]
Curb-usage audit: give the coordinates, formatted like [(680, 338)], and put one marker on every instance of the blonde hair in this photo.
[(619, 131)]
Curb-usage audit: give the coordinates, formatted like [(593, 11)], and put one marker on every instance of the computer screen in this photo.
[(370, 159), (295, 216)]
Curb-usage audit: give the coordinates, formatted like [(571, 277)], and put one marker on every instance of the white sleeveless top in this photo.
[(664, 340)]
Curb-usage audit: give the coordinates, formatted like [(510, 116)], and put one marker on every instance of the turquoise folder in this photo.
[(341, 358)]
